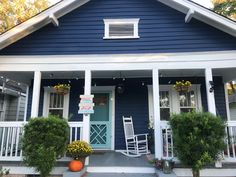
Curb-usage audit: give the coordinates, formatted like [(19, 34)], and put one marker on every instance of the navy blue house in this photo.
[(128, 54)]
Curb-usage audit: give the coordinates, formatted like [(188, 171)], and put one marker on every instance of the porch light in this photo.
[(120, 88)]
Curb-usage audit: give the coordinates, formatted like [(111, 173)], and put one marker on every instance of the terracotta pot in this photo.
[(75, 165)]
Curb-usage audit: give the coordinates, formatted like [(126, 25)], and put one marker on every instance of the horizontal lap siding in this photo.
[(161, 29), (133, 102)]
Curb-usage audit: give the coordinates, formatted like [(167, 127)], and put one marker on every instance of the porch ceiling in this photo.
[(228, 74), (26, 77)]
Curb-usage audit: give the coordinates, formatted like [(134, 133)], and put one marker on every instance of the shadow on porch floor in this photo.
[(109, 159)]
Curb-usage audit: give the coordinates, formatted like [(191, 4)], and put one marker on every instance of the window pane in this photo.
[(164, 99), (187, 109), (165, 114), (56, 112), (121, 30), (56, 100), (187, 99)]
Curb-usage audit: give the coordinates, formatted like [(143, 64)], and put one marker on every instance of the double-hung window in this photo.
[(55, 104)]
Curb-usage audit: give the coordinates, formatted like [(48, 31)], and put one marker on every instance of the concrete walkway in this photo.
[(119, 175)]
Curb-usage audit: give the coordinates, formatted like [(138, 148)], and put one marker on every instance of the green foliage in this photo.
[(198, 138), (45, 140), (4, 172), (226, 8)]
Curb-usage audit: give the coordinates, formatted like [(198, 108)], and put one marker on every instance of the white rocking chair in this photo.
[(136, 145)]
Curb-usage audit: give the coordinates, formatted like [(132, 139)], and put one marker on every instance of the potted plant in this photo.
[(166, 165), (78, 150), (182, 86), (62, 89)]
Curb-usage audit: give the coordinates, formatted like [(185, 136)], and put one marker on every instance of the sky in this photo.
[(205, 3)]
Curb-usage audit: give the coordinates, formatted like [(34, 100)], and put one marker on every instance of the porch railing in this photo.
[(11, 135), (229, 154)]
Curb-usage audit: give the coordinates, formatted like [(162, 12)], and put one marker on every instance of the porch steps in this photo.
[(120, 169), (119, 175)]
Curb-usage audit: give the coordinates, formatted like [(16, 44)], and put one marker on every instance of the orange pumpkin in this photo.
[(75, 165)]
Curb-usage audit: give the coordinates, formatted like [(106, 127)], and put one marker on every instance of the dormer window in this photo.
[(121, 28)]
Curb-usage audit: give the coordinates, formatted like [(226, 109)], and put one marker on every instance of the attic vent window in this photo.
[(121, 28)]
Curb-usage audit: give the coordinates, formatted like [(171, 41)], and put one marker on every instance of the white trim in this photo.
[(111, 91), (54, 20), (120, 169), (189, 16), (203, 14), (46, 101), (186, 172), (108, 22), (193, 60), (39, 21), (156, 114)]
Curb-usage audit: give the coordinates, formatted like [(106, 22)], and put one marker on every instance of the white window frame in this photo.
[(46, 101), (174, 100), (108, 22)]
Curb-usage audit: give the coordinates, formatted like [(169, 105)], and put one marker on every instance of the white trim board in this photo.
[(109, 62), (185, 172)]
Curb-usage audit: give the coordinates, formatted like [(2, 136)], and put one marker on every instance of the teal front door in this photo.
[(100, 125)]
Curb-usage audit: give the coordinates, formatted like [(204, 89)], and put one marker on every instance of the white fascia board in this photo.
[(203, 14), (193, 60), (39, 21)]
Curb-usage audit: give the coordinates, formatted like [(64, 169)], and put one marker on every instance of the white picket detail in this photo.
[(229, 154), (11, 135), (167, 142)]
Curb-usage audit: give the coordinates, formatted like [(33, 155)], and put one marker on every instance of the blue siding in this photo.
[(162, 29), (133, 102)]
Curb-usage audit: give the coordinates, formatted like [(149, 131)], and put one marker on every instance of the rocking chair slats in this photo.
[(136, 144)]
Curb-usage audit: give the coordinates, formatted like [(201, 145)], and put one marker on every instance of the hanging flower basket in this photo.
[(62, 89), (183, 86)]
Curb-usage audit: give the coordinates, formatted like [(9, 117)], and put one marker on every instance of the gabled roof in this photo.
[(51, 15)]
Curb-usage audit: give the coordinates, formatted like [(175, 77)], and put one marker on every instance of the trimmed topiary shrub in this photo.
[(44, 140), (198, 139)]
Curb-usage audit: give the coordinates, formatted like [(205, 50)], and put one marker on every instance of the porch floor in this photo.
[(108, 159)]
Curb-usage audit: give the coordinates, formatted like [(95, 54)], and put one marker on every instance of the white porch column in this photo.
[(86, 117), (36, 94), (210, 95), (156, 111)]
